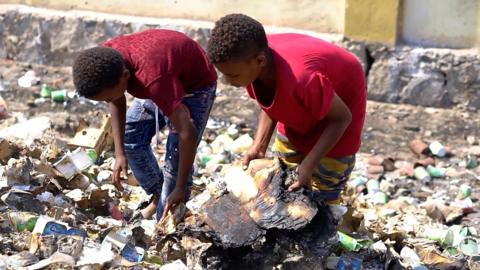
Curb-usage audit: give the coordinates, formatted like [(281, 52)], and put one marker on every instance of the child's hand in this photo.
[(121, 164), (177, 196), (251, 154), (304, 177)]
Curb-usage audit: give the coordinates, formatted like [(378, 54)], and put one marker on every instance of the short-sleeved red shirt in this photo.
[(164, 65), (308, 73)]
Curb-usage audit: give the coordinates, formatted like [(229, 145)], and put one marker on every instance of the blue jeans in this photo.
[(139, 130)]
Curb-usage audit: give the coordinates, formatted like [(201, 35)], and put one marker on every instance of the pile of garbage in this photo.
[(59, 209), (58, 206), (415, 211), (411, 212)]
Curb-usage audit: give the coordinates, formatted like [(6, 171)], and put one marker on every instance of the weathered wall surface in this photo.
[(318, 15), (424, 76), (446, 23), (397, 74), (372, 20), (431, 23), (54, 37)]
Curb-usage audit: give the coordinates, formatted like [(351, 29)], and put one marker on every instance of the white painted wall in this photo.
[(441, 23), (325, 16)]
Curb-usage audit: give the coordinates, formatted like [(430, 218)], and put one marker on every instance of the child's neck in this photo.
[(267, 76), (265, 85)]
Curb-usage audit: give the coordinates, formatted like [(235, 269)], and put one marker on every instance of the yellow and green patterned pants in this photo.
[(329, 177)]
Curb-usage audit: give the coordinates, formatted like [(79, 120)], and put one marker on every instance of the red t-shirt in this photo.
[(164, 65), (309, 71)]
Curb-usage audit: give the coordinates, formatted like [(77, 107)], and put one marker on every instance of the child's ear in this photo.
[(261, 59), (126, 74)]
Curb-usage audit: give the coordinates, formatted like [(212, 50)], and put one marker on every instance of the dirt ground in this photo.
[(388, 127)]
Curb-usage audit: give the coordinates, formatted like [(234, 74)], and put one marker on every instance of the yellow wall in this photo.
[(318, 15), (372, 20), (445, 23)]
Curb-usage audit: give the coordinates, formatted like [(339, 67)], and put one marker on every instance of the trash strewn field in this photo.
[(411, 203)]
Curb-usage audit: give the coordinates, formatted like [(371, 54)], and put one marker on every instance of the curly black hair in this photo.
[(96, 69), (236, 36)]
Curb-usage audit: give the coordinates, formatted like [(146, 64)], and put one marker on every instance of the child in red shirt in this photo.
[(313, 91), (174, 84)]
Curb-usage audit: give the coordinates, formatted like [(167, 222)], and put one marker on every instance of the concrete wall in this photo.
[(444, 23), (397, 74), (429, 23), (317, 15), (372, 20)]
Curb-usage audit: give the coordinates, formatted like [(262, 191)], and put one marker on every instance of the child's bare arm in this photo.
[(118, 110), (265, 129), (187, 135), (338, 119)]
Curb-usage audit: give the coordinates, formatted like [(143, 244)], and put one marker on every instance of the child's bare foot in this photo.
[(148, 211)]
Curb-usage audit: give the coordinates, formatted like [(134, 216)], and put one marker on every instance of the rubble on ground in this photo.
[(59, 205), (415, 206)]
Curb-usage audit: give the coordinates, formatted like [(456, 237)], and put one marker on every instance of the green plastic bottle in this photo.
[(29, 225), (46, 91)]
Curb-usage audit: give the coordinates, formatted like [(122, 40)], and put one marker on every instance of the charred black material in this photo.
[(274, 206)]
